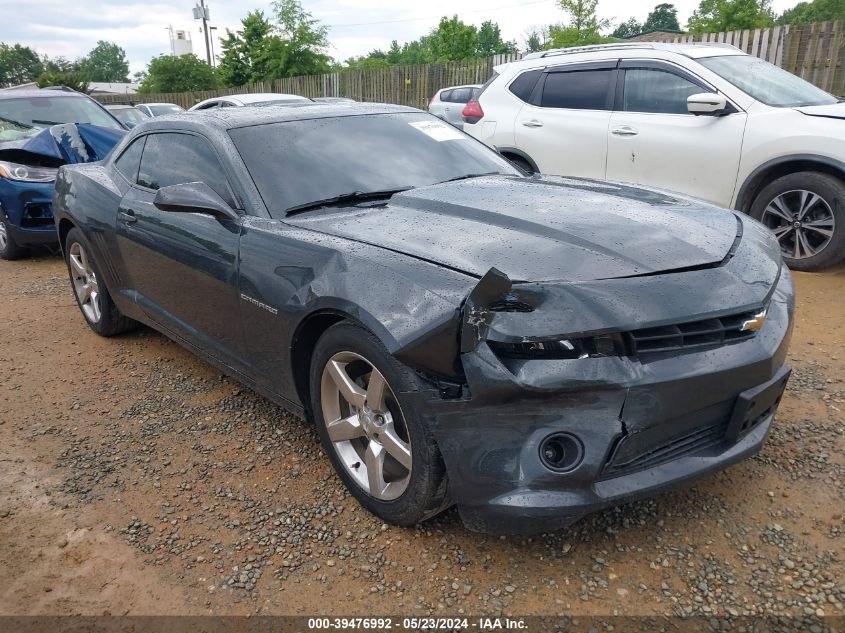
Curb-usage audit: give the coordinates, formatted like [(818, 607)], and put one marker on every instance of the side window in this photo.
[(174, 159), (523, 85), (446, 96), (127, 163), (577, 90), (659, 91), (460, 95), (210, 106)]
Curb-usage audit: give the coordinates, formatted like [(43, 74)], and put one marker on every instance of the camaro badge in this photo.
[(755, 323), (256, 302)]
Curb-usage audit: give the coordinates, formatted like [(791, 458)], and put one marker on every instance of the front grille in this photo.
[(37, 215), (678, 336)]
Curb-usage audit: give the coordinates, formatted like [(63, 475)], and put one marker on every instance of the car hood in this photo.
[(66, 143), (540, 229), (832, 111)]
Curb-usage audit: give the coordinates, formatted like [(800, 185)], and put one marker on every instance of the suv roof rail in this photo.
[(554, 52), (60, 88)]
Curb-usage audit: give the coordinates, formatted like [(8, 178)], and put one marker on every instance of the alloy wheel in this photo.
[(4, 236), (365, 425), (85, 283), (802, 222)]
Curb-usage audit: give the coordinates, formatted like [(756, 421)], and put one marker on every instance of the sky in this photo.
[(71, 29)]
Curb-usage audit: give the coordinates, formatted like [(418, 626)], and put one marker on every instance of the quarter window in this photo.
[(658, 91), (577, 90), (523, 85), (127, 162), (460, 95), (175, 159)]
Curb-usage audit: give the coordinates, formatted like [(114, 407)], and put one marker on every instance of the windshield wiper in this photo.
[(19, 123), (468, 176), (43, 122), (345, 198)]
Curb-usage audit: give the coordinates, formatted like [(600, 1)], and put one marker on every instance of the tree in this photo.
[(453, 40), (301, 42), (664, 17), (715, 16), (246, 53), (584, 25), (537, 39), (627, 29), (105, 62), (18, 65), (73, 79), (814, 11), (169, 73), (490, 41)]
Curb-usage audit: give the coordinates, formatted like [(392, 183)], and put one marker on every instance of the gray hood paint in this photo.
[(540, 229)]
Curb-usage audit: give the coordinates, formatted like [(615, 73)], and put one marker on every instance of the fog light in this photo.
[(561, 452)]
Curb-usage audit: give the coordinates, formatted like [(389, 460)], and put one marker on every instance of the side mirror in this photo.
[(707, 103), (193, 197)]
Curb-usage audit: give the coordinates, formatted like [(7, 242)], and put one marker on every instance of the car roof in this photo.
[(230, 118), (165, 103), (117, 106), (257, 97), (29, 94), (694, 50)]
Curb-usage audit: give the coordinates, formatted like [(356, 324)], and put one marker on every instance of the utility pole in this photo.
[(201, 13)]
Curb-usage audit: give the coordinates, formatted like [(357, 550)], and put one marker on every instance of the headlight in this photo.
[(27, 173), (562, 349)]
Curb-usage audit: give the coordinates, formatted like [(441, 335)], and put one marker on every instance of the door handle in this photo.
[(127, 216), (624, 130), (532, 123)]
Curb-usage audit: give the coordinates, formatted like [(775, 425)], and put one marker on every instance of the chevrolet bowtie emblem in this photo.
[(754, 323)]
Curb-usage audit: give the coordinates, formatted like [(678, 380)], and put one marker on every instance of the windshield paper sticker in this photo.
[(438, 131)]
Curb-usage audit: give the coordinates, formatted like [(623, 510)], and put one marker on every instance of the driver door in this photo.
[(182, 267)]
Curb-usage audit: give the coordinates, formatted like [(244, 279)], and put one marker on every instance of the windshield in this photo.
[(767, 83), (133, 116), (295, 163), (161, 110), (27, 116)]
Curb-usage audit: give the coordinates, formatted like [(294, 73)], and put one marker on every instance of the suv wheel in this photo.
[(806, 212), (9, 250), (379, 446)]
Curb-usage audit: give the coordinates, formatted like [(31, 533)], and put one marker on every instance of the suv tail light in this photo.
[(472, 112)]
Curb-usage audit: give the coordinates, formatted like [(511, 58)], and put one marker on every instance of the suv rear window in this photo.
[(523, 85), (577, 90)]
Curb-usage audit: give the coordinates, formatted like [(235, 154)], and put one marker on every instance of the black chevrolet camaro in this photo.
[(530, 349)]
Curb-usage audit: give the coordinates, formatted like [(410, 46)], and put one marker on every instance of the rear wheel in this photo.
[(806, 212), (379, 447), (91, 294), (9, 250)]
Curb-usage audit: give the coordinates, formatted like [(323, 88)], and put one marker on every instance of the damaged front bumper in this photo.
[(633, 424)]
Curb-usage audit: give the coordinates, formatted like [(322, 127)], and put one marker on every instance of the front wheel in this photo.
[(9, 250), (380, 448), (806, 212)]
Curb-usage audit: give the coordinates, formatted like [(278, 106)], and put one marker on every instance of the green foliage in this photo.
[(537, 39), (74, 79), (814, 11), (293, 44), (627, 29), (452, 40), (185, 73), (568, 36), (715, 16), (664, 17), (105, 62), (18, 65), (584, 25)]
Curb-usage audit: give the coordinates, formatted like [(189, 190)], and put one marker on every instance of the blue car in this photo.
[(35, 140)]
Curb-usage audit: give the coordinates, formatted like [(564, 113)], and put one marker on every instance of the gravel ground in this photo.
[(135, 479)]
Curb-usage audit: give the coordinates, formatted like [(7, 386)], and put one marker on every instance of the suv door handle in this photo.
[(127, 215), (532, 123), (625, 130)]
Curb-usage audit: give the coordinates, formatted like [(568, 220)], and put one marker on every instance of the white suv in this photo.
[(705, 120)]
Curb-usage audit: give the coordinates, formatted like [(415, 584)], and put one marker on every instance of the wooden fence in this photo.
[(812, 51)]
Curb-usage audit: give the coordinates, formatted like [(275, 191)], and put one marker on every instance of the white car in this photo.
[(159, 109), (705, 120), (448, 103), (250, 99)]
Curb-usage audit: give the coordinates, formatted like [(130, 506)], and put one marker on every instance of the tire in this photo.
[(403, 495), (793, 199), (9, 249), (92, 296)]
